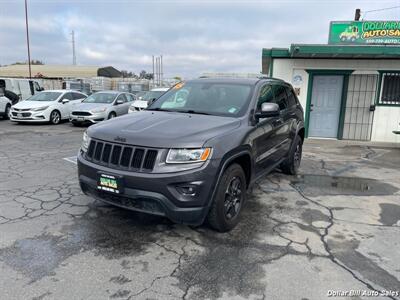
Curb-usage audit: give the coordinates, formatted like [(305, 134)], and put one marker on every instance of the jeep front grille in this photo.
[(120, 156)]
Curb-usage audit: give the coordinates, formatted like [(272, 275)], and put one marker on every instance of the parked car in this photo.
[(144, 100), (24, 88), (195, 161), (5, 103), (101, 106), (5, 106), (47, 106)]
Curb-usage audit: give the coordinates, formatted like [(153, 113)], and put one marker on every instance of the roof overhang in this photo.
[(334, 51)]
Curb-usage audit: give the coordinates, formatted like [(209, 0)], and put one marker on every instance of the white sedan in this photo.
[(47, 106), (145, 100)]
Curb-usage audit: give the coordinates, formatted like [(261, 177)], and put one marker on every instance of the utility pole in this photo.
[(27, 38), (153, 70), (73, 48), (161, 71), (158, 70)]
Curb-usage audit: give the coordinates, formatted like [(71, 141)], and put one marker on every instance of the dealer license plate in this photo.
[(109, 183)]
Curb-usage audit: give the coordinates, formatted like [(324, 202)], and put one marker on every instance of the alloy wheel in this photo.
[(55, 117), (297, 155), (233, 198)]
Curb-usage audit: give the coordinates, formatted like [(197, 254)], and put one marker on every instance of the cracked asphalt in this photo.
[(335, 227)]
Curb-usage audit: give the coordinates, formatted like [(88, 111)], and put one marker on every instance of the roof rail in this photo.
[(232, 75), (238, 75)]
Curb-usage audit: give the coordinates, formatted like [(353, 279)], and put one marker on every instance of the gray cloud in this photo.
[(193, 36)]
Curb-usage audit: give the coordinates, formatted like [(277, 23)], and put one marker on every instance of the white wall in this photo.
[(386, 119)]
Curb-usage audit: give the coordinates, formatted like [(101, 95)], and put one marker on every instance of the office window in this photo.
[(390, 89)]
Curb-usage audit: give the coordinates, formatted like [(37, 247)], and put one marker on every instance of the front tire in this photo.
[(7, 112), (225, 210), (292, 164), (55, 117), (112, 115)]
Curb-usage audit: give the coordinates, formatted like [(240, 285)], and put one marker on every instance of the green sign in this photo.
[(365, 32)]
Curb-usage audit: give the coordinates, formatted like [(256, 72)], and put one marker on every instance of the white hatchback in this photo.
[(47, 106)]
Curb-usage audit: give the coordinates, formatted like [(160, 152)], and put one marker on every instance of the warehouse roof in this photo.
[(333, 51), (58, 71)]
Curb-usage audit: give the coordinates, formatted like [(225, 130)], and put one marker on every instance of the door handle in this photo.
[(311, 106)]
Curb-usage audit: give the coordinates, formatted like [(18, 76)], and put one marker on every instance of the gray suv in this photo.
[(194, 152)]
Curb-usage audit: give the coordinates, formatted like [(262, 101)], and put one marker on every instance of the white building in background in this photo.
[(349, 92)]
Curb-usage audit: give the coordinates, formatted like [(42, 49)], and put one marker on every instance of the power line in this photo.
[(379, 9)]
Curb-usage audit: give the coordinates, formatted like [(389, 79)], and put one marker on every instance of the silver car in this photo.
[(101, 106)]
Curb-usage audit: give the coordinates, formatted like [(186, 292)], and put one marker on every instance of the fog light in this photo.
[(187, 190)]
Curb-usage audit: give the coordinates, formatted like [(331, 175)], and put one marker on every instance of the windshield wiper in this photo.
[(159, 109), (191, 111)]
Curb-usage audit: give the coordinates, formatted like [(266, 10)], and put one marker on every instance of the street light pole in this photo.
[(27, 38)]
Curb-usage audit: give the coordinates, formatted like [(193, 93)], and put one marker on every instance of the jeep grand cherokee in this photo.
[(194, 152)]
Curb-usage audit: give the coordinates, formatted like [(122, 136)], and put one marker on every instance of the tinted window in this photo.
[(130, 97), (215, 98), (291, 98), (152, 95), (122, 97), (78, 96), (68, 96), (266, 95), (280, 96)]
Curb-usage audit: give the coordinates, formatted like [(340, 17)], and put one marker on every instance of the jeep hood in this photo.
[(163, 129)]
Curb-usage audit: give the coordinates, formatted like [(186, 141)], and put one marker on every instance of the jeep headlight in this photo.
[(85, 142), (40, 108), (182, 156)]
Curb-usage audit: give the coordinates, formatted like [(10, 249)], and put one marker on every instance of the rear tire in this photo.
[(230, 196), (292, 164), (55, 117), (111, 115)]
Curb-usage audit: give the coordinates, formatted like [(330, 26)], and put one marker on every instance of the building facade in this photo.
[(348, 92)]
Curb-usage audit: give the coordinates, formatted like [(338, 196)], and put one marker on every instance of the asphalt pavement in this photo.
[(332, 231)]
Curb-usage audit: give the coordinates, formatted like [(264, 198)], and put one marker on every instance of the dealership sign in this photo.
[(364, 32)]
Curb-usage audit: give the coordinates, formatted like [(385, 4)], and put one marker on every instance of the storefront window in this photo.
[(390, 94)]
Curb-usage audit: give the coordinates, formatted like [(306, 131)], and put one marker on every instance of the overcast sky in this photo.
[(194, 36)]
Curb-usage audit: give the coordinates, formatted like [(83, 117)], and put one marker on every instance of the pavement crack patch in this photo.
[(325, 243)]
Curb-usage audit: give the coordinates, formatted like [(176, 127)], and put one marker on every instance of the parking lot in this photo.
[(334, 228)]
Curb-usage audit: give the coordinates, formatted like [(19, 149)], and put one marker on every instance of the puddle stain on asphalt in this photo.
[(346, 252), (233, 262), (390, 214), (230, 262), (113, 234), (315, 185)]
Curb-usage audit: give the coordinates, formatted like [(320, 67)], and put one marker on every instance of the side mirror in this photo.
[(268, 110), (118, 102), (64, 101)]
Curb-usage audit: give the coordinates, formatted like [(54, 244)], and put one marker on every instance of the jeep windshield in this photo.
[(211, 98), (152, 95), (105, 98), (45, 96)]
